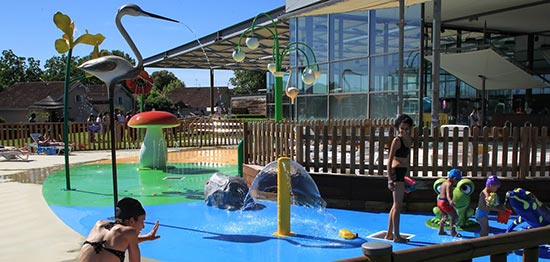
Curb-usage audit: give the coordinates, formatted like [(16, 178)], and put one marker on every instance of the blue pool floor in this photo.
[(197, 232)]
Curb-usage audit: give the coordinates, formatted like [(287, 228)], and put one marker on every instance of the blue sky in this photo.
[(28, 29)]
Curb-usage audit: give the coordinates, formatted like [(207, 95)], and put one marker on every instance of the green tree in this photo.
[(158, 101), (15, 69), (163, 79), (247, 82), (54, 68)]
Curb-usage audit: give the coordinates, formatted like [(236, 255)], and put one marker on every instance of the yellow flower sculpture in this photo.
[(65, 24)]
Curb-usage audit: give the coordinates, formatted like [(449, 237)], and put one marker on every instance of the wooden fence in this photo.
[(361, 147), (190, 133), (495, 246)]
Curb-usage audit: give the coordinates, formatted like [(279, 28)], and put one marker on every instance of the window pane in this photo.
[(383, 105), (312, 31), (312, 107), (349, 106), (386, 35), (349, 35), (384, 73), (349, 76)]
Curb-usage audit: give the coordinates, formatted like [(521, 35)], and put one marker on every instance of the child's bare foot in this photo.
[(400, 240), (388, 236), (455, 234), (442, 233)]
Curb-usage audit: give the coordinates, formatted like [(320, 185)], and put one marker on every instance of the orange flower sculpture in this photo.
[(141, 85)]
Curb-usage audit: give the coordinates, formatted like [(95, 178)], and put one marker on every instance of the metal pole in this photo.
[(422, 63), (401, 54), (111, 91), (278, 85), (66, 120), (483, 97), (436, 34), (212, 91)]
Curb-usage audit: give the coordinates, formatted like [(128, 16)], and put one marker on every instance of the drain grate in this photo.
[(381, 234), (174, 178)]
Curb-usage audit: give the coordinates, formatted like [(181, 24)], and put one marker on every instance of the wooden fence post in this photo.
[(377, 251)]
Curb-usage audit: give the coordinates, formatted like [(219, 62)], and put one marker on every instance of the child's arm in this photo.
[(482, 204), (498, 208), (448, 194)]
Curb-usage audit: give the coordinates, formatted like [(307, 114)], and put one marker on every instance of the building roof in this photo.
[(196, 97), (46, 94), (25, 94), (218, 47), (47, 103)]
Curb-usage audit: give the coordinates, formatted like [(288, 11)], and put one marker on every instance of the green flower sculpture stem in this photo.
[(63, 45)]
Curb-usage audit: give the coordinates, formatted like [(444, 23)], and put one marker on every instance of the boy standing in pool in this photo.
[(445, 202)]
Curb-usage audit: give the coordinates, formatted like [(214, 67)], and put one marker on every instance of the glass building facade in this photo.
[(358, 57)]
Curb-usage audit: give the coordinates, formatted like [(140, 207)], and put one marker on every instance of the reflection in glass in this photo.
[(349, 76), (383, 105), (347, 106), (319, 86), (312, 107), (312, 30), (386, 34), (349, 35)]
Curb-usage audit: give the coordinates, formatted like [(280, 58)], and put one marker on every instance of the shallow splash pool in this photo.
[(192, 231)]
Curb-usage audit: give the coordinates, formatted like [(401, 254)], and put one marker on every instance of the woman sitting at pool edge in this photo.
[(108, 241)]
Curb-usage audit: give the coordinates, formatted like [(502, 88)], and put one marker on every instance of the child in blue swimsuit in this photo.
[(488, 201)]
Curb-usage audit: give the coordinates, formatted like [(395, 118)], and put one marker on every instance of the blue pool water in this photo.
[(196, 232), (192, 231)]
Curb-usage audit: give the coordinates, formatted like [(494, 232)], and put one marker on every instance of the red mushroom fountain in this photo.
[(153, 153)]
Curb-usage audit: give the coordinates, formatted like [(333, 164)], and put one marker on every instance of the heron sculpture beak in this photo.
[(160, 17)]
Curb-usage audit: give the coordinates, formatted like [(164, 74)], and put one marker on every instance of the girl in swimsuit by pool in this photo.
[(398, 165), (108, 241)]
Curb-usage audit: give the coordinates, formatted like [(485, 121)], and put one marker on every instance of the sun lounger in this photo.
[(49, 150), (13, 153)]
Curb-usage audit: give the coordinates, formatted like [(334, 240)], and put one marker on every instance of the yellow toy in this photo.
[(346, 234), (492, 200)]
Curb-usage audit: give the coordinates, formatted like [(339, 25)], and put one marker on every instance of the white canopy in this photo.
[(521, 16), (499, 73), (344, 6)]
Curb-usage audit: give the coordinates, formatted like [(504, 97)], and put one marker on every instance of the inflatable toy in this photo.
[(528, 208), (410, 184)]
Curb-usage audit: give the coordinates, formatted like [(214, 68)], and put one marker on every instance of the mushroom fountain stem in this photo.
[(153, 153)]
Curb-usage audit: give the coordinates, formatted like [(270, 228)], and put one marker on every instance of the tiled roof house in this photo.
[(196, 100), (46, 99)]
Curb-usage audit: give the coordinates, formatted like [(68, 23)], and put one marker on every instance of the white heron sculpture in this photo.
[(113, 69)]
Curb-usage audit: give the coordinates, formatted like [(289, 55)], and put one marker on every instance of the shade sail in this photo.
[(499, 72)]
